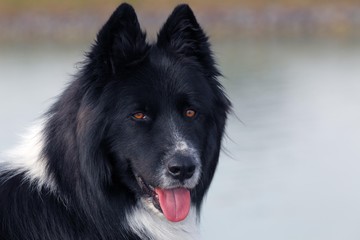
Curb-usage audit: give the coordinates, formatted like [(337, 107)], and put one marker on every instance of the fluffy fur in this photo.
[(120, 130)]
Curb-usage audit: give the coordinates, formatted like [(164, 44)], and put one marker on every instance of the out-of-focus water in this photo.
[(291, 165)]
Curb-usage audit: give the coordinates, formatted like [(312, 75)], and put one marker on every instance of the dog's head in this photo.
[(167, 109), (157, 110)]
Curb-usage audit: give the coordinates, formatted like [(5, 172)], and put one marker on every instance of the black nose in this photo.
[(182, 167)]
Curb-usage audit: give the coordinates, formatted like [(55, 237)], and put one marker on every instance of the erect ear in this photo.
[(183, 35), (120, 42)]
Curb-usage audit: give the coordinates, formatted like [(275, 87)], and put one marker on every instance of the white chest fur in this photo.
[(152, 226)]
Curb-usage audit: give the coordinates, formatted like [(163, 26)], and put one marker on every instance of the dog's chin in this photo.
[(172, 202)]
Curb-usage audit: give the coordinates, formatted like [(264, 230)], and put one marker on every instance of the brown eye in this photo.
[(139, 115), (190, 113)]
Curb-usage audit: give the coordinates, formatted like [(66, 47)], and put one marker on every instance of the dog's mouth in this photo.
[(174, 203)]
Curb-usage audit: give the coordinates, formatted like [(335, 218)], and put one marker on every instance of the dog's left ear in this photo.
[(183, 35), (120, 42)]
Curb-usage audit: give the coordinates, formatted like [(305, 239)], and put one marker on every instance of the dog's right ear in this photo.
[(182, 35), (120, 42)]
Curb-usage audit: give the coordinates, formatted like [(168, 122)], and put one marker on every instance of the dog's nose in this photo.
[(182, 167)]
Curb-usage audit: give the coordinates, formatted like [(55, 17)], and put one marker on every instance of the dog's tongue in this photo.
[(175, 203)]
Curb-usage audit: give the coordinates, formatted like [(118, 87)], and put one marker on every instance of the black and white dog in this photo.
[(129, 149)]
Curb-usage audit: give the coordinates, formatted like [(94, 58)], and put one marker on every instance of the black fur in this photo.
[(93, 147)]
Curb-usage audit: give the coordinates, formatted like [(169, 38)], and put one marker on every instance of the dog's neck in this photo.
[(152, 225)]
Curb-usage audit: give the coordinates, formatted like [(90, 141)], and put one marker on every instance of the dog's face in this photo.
[(165, 110), (162, 117)]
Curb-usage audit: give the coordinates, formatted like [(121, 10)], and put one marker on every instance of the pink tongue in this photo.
[(175, 203)]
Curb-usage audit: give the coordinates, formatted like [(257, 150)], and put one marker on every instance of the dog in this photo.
[(129, 149)]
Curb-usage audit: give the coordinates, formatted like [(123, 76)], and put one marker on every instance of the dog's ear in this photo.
[(183, 35), (120, 42)]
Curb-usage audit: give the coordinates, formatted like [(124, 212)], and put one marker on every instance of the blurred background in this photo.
[(290, 169)]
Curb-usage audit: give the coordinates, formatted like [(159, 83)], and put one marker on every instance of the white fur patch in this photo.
[(149, 225), (181, 146), (27, 158)]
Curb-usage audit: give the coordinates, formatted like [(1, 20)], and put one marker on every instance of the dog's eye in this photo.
[(139, 116), (190, 113)]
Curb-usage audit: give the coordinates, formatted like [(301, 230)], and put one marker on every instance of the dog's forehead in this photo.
[(149, 78), (167, 79), (173, 73)]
